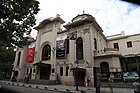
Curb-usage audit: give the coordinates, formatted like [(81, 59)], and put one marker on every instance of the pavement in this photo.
[(69, 89)]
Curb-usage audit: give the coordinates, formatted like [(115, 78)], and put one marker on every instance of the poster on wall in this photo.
[(30, 53), (60, 47)]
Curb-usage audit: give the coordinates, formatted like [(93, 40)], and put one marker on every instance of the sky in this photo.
[(113, 16)]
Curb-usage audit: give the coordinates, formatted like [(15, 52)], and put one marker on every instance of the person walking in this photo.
[(26, 79), (137, 85), (88, 81), (14, 79), (111, 81)]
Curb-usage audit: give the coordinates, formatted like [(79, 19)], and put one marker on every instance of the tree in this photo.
[(7, 56), (17, 19)]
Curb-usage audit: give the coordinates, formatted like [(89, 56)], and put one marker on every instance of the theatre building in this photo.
[(69, 55)]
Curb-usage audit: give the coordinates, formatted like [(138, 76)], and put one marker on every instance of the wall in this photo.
[(113, 62), (135, 49)]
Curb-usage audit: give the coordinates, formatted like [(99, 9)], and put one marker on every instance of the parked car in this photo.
[(130, 76)]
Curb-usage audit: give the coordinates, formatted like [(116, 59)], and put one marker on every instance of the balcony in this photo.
[(107, 52)]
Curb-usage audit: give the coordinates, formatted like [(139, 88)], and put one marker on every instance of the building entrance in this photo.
[(79, 76), (15, 73), (45, 72)]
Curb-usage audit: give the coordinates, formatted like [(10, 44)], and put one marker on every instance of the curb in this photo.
[(41, 87)]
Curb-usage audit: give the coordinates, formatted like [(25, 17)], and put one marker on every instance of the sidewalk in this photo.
[(69, 89)]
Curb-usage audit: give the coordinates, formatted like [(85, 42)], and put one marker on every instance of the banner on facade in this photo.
[(30, 54), (61, 47)]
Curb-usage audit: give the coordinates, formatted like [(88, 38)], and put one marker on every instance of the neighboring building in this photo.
[(71, 54), (129, 47), (21, 67)]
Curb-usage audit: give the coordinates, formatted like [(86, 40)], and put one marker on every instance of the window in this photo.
[(33, 70), (53, 70), (27, 71), (46, 52), (95, 43), (67, 69), (18, 61), (116, 46), (79, 48), (61, 71), (67, 45), (129, 44), (104, 67)]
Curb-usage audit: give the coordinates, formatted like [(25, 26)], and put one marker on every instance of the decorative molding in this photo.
[(71, 65), (46, 31), (86, 30), (73, 35)]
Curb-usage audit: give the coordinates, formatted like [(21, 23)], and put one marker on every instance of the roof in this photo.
[(114, 37), (40, 64), (79, 20), (78, 69), (49, 20), (62, 31)]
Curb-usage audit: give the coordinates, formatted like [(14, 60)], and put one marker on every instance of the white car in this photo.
[(130, 76)]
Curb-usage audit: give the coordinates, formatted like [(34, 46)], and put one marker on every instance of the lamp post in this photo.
[(136, 58), (137, 63)]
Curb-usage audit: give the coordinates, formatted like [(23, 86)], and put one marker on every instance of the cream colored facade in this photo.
[(130, 55), (122, 40), (19, 65), (97, 49)]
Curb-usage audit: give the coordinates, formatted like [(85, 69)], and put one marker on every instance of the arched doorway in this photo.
[(104, 70)]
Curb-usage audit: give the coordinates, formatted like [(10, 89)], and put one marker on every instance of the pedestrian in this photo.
[(14, 78), (88, 81), (26, 79), (111, 82), (137, 85)]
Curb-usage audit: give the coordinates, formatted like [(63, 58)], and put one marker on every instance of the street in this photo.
[(17, 89), (10, 87)]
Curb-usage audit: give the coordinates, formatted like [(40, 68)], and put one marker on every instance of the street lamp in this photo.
[(136, 58), (137, 62)]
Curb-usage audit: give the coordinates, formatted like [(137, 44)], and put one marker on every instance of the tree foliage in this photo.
[(7, 54), (17, 17)]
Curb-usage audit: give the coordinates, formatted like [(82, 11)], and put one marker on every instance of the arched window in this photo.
[(79, 48), (61, 71), (95, 43), (67, 69), (46, 52), (104, 67)]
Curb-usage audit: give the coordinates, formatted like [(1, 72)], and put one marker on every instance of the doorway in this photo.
[(104, 71), (79, 76), (15, 73), (45, 72)]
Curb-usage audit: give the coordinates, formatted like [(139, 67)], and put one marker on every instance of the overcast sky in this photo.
[(113, 16)]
